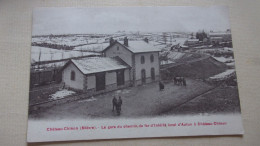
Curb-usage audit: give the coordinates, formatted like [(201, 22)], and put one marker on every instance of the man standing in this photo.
[(120, 102), (114, 102), (161, 86), (184, 82)]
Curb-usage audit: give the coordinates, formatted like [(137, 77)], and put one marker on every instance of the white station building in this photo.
[(130, 63)]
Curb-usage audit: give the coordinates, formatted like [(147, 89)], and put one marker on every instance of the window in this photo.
[(152, 58), (117, 48), (72, 76), (152, 74), (142, 60)]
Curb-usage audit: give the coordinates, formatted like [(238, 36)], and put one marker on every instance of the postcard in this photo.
[(132, 72)]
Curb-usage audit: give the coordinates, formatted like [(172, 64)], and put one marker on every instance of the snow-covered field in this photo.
[(224, 59), (48, 54), (175, 55), (68, 40), (223, 75), (88, 100), (92, 47), (49, 65), (61, 94), (216, 50)]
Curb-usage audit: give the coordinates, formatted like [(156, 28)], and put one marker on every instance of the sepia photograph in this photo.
[(120, 63)]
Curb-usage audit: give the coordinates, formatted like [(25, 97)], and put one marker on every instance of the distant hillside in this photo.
[(202, 69)]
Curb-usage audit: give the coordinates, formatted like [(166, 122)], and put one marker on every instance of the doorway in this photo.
[(143, 76), (100, 81), (120, 77)]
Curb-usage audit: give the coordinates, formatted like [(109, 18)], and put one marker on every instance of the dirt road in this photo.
[(139, 101)]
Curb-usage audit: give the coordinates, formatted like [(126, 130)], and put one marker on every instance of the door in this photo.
[(100, 81), (120, 77), (152, 74), (143, 76)]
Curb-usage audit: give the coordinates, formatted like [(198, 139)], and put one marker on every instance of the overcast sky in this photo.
[(112, 19)]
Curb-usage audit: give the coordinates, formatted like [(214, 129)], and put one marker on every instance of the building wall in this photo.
[(111, 78), (78, 83), (147, 66), (91, 81), (111, 83), (127, 75), (122, 52)]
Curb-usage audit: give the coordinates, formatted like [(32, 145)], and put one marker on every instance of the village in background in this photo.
[(204, 59)]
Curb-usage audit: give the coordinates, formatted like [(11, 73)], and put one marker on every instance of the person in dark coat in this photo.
[(184, 82), (119, 103), (114, 102), (161, 86), (175, 80)]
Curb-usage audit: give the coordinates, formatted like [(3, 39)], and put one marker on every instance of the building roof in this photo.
[(219, 33), (137, 47), (141, 46), (216, 38), (193, 40), (91, 65)]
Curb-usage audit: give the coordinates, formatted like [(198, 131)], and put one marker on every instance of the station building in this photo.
[(125, 64)]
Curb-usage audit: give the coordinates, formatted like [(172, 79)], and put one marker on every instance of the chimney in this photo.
[(111, 41), (125, 41)]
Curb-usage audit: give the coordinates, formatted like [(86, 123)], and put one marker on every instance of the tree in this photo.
[(192, 35), (201, 35)]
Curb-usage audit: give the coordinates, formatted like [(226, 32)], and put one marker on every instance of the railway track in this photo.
[(206, 92)]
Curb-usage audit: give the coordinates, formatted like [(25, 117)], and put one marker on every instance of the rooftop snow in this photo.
[(193, 40), (99, 64), (220, 33), (141, 46)]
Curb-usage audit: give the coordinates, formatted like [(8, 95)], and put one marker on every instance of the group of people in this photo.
[(117, 103), (179, 81)]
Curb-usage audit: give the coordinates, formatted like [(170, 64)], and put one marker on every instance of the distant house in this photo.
[(122, 65), (191, 42), (219, 37)]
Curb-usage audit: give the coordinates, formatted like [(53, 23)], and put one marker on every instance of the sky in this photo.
[(144, 19)]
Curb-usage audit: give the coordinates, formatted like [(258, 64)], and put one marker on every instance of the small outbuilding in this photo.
[(94, 75)]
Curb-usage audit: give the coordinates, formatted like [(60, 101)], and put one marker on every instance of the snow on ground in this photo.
[(215, 50), (175, 55), (49, 65), (125, 91), (61, 94), (229, 49), (224, 59), (231, 64), (68, 40), (224, 74), (88, 100), (92, 47), (166, 62), (48, 54)]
